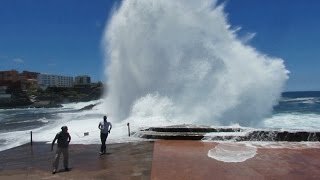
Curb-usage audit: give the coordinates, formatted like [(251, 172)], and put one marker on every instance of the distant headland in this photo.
[(36, 90)]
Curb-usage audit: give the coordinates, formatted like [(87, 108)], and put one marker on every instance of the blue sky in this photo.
[(58, 37), (64, 36)]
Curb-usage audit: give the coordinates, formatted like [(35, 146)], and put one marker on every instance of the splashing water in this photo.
[(173, 62), (235, 152)]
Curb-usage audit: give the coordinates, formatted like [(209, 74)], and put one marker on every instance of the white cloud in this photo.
[(246, 38), (18, 61)]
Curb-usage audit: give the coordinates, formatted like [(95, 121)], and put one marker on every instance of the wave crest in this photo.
[(187, 53)]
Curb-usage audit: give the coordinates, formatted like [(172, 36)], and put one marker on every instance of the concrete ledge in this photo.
[(122, 161), (190, 132)]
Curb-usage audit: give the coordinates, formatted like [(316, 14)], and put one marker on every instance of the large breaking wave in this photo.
[(182, 62)]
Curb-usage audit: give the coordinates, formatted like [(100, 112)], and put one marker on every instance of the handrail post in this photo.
[(31, 138), (128, 129)]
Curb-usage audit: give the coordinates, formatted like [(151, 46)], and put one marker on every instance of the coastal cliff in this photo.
[(53, 97)]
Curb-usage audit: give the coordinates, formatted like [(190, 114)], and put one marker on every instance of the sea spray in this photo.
[(174, 62), (232, 152)]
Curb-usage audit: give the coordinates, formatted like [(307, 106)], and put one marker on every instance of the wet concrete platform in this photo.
[(189, 160), (122, 161), (161, 159)]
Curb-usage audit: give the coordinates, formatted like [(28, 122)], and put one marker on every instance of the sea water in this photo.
[(295, 111)]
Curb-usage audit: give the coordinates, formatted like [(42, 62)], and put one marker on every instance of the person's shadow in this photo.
[(63, 170)]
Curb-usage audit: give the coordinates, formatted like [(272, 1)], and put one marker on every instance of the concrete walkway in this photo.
[(188, 160), (122, 161), (162, 159)]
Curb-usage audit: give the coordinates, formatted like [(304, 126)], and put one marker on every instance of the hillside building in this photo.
[(82, 80), (11, 76), (48, 80)]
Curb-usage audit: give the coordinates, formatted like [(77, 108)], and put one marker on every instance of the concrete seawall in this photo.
[(189, 132)]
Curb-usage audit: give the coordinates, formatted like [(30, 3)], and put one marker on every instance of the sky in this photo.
[(64, 36)]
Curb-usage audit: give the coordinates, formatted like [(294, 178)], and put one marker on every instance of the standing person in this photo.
[(104, 131), (64, 139)]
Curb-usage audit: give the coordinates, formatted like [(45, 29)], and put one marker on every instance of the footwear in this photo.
[(66, 169), (54, 171)]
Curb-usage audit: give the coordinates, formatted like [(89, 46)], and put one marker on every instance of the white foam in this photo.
[(298, 99), (78, 123), (181, 62), (44, 120), (232, 152), (282, 144), (215, 134), (13, 139), (242, 151), (87, 122), (293, 121)]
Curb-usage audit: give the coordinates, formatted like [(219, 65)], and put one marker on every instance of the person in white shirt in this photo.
[(105, 128)]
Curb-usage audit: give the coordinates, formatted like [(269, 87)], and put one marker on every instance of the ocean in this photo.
[(295, 111)]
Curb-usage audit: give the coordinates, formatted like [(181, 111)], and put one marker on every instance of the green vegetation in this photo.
[(63, 95)]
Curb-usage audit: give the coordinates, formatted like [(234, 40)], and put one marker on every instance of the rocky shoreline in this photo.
[(40, 105), (54, 98)]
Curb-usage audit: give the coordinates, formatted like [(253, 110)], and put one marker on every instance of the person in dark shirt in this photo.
[(64, 139)]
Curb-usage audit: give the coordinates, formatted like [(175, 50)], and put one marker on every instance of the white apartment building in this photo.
[(48, 80), (4, 97), (82, 80)]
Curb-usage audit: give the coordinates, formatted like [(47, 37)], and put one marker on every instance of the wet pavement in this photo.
[(122, 161), (161, 159), (189, 160)]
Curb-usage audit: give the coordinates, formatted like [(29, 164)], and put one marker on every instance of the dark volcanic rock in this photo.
[(15, 104), (89, 107)]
